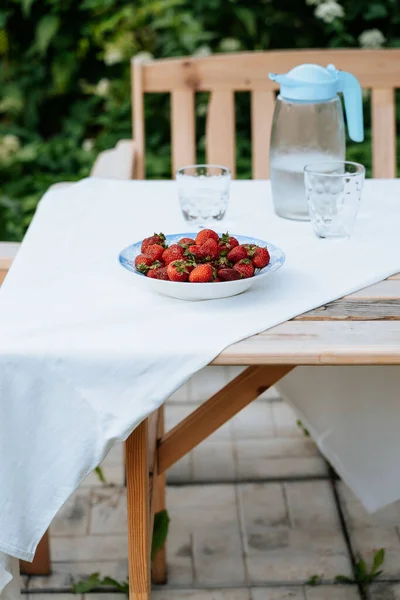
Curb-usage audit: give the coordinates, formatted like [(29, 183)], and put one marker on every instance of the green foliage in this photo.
[(100, 474), (314, 580), (65, 70), (160, 531), (362, 575)]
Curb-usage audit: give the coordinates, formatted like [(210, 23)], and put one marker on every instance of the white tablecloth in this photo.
[(85, 355)]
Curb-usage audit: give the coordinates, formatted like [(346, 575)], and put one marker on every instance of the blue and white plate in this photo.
[(201, 291)]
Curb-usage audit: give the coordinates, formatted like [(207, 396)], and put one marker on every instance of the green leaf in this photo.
[(379, 558), (26, 6), (122, 586), (376, 11), (100, 474), (45, 31), (361, 569), (343, 579), (249, 20), (86, 585), (314, 580), (160, 531)]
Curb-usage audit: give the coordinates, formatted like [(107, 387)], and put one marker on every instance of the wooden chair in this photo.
[(148, 452)]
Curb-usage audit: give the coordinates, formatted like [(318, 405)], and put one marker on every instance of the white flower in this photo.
[(113, 55), (11, 143), (202, 51), (328, 11), (143, 57), (314, 2), (372, 38), (88, 145), (230, 45), (102, 88)]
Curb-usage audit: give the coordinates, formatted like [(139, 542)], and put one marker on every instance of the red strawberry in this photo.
[(157, 238), (178, 271), (209, 250), (217, 279), (158, 273), (206, 234), (174, 252), (261, 258), (228, 274), (193, 252), (155, 251), (143, 263), (237, 253), (251, 248), (202, 274), (185, 242), (226, 243), (245, 268), (222, 263)]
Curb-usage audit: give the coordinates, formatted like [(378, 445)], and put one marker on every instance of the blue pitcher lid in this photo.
[(308, 83)]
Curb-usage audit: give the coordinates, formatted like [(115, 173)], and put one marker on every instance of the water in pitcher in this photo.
[(287, 181)]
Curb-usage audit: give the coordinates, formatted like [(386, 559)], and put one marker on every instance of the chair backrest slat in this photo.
[(383, 132), (183, 129), (262, 109), (224, 74), (220, 130)]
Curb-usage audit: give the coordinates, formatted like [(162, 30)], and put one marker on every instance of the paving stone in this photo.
[(369, 533), (278, 593), (254, 421), (181, 471), (286, 541), (188, 594), (47, 596), (285, 420), (214, 461), (114, 475), (115, 455), (73, 517), (174, 413), (198, 505), (91, 548), (179, 555), (181, 395), (108, 513), (64, 574), (278, 457), (384, 591), (207, 382), (332, 592), (102, 596)]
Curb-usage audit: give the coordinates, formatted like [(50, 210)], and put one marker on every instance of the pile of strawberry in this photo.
[(205, 259)]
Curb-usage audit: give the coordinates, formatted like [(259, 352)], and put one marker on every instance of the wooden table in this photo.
[(360, 329)]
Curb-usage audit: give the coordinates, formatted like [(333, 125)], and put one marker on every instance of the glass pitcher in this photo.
[(308, 127)]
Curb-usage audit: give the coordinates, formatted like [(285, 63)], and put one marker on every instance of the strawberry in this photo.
[(226, 243), (245, 268), (193, 252), (178, 271), (143, 263), (261, 258), (228, 274), (185, 242), (251, 248), (206, 234), (157, 238), (174, 252), (202, 274), (237, 253), (209, 250), (155, 251), (217, 279), (158, 273)]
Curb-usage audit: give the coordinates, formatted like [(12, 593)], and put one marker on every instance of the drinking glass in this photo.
[(203, 193), (333, 191)]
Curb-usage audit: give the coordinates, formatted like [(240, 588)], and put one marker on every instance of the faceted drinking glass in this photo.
[(333, 191), (203, 193)]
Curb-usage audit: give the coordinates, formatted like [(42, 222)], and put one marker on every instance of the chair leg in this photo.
[(137, 476), (159, 564), (41, 563)]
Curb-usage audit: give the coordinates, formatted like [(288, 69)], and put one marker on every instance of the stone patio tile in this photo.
[(73, 517), (65, 573), (115, 456), (181, 395), (90, 548), (292, 532), (102, 596), (174, 413), (188, 594), (199, 505), (368, 532), (181, 472), (285, 420), (384, 591), (254, 421), (278, 457), (278, 593), (214, 461), (207, 382), (114, 475), (108, 511), (46, 596), (332, 592), (179, 555)]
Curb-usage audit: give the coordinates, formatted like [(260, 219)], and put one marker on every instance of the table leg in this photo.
[(159, 564), (41, 563), (137, 475)]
